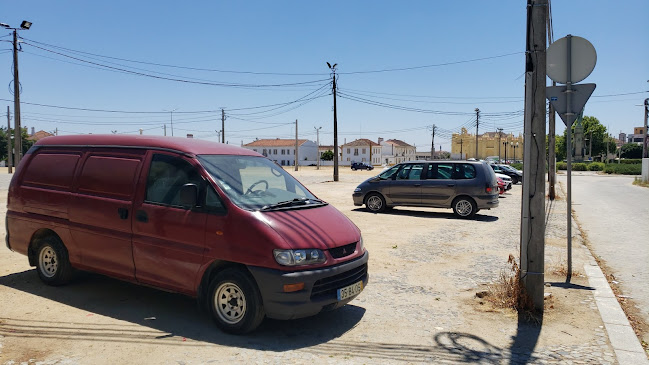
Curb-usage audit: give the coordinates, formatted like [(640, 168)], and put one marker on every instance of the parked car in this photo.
[(501, 186), (506, 179), (464, 186), (361, 166), (509, 171), (213, 221)]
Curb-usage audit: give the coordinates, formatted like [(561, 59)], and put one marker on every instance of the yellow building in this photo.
[(505, 145)]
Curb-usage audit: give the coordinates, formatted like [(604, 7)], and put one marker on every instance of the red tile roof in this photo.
[(275, 143), (39, 135), (398, 142), (361, 142)]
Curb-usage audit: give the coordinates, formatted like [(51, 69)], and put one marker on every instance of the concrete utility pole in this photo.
[(9, 149), (500, 134), (164, 128), (432, 145), (533, 213), (461, 143), (477, 123), (18, 134), (317, 132), (333, 88), (222, 125), (296, 155)]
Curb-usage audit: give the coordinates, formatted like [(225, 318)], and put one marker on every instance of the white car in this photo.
[(506, 179)]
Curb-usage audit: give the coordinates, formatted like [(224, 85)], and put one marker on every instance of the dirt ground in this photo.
[(419, 305)]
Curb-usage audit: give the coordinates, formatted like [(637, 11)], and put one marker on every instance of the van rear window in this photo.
[(111, 177), (53, 170)]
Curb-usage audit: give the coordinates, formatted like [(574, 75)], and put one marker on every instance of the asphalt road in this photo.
[(615, 214)]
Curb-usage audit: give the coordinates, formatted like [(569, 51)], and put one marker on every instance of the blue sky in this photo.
[(473, 52)]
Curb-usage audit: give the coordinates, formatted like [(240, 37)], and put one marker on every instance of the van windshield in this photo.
[(256, 183)]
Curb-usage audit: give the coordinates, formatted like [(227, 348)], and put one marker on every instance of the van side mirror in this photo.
[(189, 195)]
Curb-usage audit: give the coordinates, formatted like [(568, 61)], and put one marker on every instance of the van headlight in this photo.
[(357, 190), (299, 257), (361, 247)]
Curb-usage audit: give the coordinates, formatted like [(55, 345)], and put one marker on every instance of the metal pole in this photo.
[(644, 137), (552, 156), (18, 145), (569, 117), (9, 149), (164, 127), (317, 132), (296, 155), (222, 126)]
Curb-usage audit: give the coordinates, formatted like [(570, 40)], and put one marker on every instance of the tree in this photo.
[(632, 150), (598, 138), (27, 144), (327, 156)]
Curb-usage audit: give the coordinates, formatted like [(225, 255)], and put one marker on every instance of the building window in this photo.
[(275, 151), (355, 151), (348, 150), (348, 157), (364, 149)]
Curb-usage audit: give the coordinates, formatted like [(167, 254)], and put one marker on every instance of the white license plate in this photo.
[(350, 291)]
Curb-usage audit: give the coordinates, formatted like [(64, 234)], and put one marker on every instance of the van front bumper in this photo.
[(320, 288)]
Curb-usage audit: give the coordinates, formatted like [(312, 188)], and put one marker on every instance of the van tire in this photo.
[(52, 262), (235, 302), (464, 207), (375, 203)]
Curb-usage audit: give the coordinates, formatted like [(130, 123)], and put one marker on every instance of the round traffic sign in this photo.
[(582, 59)]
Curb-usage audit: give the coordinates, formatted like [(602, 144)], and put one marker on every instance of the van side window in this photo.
[(442, 171), (213, 202), (464, 171), (411, 172), (167, 175)]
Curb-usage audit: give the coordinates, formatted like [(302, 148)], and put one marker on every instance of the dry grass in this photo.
[(508, 292), (561, 269), (639, 182)]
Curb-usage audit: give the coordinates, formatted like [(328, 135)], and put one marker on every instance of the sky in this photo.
[(402, 67)]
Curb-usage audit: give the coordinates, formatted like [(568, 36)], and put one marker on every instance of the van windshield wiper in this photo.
[(293, 203)]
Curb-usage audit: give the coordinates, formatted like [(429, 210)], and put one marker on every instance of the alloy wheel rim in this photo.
[(230, 303), (374, 203), (48, 263), (463, 208)]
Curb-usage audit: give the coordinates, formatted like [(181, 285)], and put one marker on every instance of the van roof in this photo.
[(180, 144)]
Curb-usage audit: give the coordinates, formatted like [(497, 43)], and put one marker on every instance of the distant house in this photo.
[(282, 151), (396, 151), (38, 135), (361, 150)]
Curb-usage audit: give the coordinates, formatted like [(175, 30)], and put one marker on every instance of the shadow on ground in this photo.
[(425, 214), (177, 317)]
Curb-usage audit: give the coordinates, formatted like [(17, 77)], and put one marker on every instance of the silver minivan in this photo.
[(464, 186)]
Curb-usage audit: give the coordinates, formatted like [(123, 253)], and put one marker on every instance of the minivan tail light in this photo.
[(488, 189)]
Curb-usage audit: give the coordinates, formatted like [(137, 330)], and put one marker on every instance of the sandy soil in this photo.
[(419, 306)]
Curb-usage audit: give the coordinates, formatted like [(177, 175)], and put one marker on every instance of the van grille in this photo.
[(328, 286), (343, 251)]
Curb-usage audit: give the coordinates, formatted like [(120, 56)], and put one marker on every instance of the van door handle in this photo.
[(417, 184), (123, 213), (141, 216), (450, 185)]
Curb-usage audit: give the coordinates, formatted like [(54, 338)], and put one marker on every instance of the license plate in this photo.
[(350, 291)]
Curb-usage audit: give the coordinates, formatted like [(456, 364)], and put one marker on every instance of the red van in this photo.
[(213, 221)]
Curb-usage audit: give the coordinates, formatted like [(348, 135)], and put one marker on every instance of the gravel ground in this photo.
[(419, 306)]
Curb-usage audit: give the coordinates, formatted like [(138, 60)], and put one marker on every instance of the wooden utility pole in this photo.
[(461, 142), (333, 91), (9, 149), (222, 126), (18, 145), (432, 144), (552, 141), (477, 123), (296, 155), (532, 243)]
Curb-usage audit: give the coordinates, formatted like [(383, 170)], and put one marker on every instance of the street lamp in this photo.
[(18, 134)]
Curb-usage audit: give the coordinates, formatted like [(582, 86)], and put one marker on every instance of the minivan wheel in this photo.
[(53, 265), (235, 302), (464, 207), (375, 203)]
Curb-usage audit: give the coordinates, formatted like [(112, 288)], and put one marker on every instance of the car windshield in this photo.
[(507, 168), (256, 183)]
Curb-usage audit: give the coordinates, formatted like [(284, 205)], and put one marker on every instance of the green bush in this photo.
[(517, 166), (580, 166), (631, 161), (623, 169), (562, 166), (596, 166)]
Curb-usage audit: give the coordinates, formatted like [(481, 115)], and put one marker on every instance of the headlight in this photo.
[(361, 247), (357, 190), (299, 257)]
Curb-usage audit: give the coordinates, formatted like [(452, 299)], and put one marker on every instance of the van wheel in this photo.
[(53, 265), (235, 302), (375, 203), (464, 207)]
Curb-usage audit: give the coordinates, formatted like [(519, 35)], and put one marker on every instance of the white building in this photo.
[(395, 151), (361, 150), (282, 151)]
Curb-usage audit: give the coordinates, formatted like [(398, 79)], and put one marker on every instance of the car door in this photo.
[(405, 189), (438, 189), (168, 238)]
